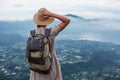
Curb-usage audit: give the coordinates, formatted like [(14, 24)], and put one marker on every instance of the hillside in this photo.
[(10, 39), (80, 59)]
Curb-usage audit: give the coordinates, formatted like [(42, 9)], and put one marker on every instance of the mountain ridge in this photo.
[(79, 27)]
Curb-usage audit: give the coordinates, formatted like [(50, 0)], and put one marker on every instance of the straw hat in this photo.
[(39, 19)]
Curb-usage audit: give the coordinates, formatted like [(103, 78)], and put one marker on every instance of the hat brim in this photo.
[(45, 22)]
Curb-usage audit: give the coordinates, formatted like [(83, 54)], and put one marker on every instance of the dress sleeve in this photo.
[(55, 30)]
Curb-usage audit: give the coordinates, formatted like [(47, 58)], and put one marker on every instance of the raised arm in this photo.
[(64, 20)]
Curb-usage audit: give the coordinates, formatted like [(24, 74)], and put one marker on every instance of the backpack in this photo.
[(38, 52)]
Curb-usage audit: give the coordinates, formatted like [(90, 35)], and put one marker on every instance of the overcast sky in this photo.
[(25, 9)]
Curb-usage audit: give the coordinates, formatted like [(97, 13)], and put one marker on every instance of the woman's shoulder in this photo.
[(55, 30)]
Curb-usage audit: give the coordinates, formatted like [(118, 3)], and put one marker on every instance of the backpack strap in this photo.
[(47, 32), (32, 32)]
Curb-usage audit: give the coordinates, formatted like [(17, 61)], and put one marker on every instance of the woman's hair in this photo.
[(38, 26), (41, 26)]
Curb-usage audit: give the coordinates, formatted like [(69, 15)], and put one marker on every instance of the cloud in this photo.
[(17, 5), (85, 8)]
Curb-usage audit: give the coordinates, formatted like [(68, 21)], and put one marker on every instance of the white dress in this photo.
[(55, 72)]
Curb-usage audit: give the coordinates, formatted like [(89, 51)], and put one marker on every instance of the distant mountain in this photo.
[(79, 28), (81, 18), (19, 27), (74, 16)]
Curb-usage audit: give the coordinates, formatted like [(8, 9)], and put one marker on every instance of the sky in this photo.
[(25, 9)]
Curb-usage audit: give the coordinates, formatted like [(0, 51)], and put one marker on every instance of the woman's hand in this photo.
[(45, 12)]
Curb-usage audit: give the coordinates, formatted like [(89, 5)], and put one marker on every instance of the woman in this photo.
[(42, 18)]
